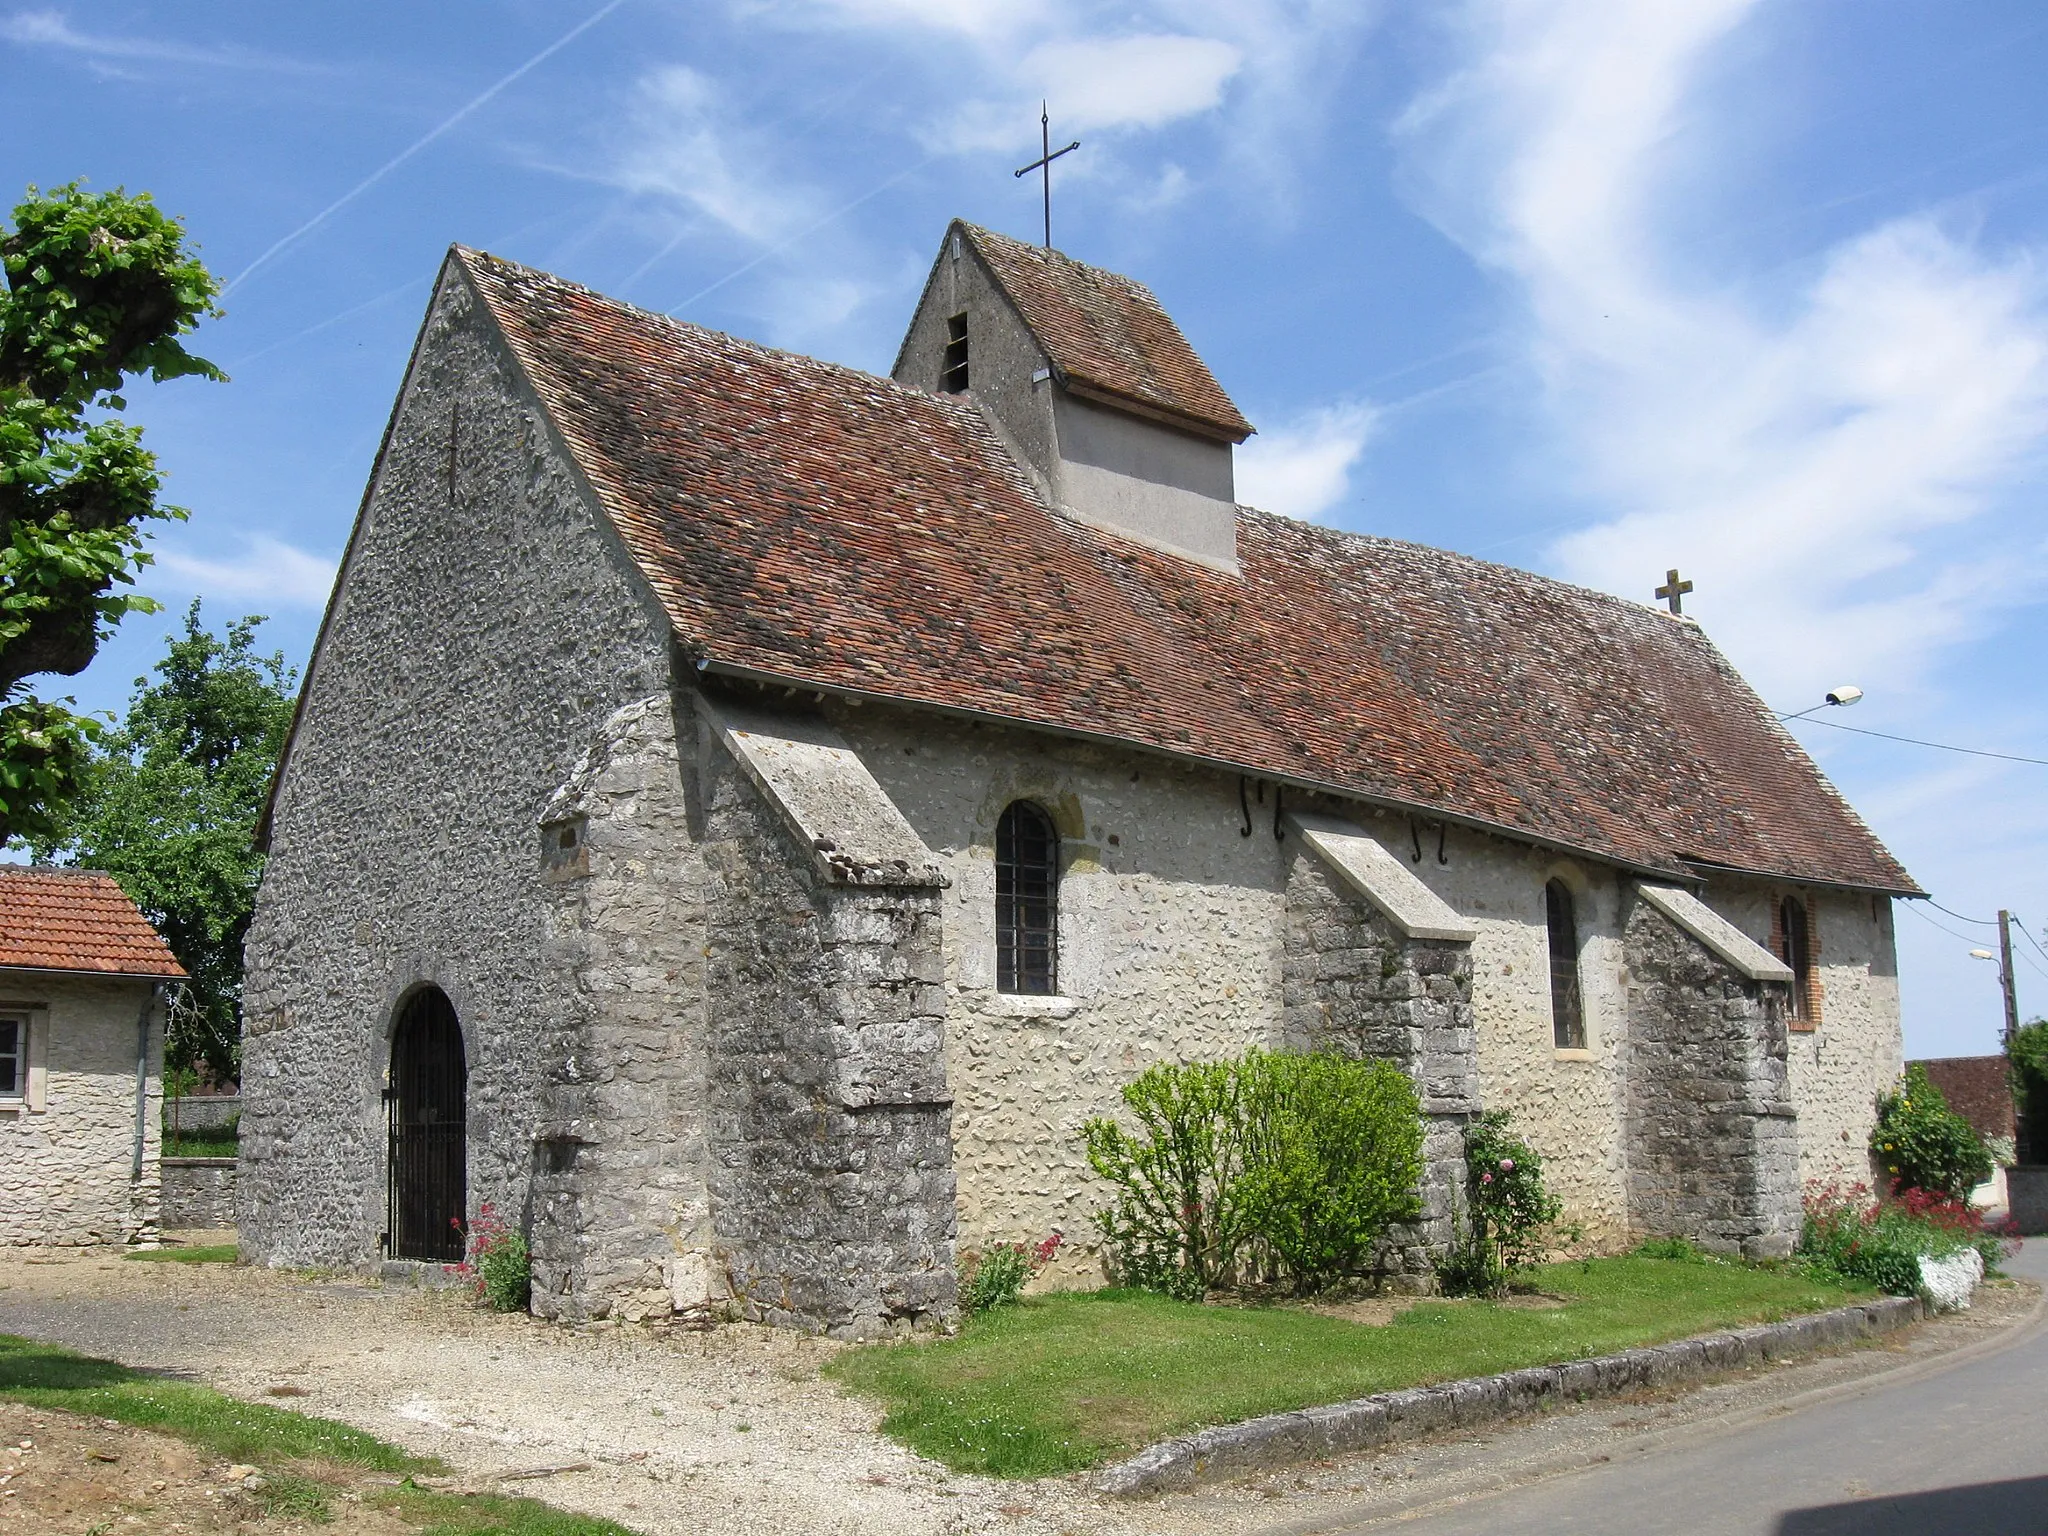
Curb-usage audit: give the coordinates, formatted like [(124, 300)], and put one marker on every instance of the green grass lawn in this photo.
[(1069, 1381), (305, 1459), (203, 1253), (202, 1144)]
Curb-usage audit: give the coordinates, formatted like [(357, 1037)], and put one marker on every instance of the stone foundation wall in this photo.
[(67, 1168), (1355, 986), (199, 1192), (832, 1178), (1711, 1142)]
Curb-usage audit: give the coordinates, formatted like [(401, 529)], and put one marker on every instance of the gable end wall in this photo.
[(484, 629)]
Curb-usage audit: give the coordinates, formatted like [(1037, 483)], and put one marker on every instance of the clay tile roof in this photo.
[(815, 524), (76, 920), (1108, 334)]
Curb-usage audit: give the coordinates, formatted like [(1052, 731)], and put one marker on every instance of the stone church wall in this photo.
[(1354, 986), (832, 1180), (1169, 934), (1712, 1148), (1568, 1103), (485, 629), (1856, 1050), (622, 1222)]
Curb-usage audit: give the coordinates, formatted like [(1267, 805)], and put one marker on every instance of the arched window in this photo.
[(1567, 1007), (1795, 948), (1027, 901)]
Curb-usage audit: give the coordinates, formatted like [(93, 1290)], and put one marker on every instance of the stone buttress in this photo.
[(1376, 965), (1710, 1134)]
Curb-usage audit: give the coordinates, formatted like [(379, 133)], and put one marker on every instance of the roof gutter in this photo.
[(708, 666), (163, 978)]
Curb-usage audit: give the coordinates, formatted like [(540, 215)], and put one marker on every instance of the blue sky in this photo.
[(1596, 287)]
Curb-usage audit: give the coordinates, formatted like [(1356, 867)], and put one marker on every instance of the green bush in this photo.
[(498, 1265), (1923, 1144), (1505, 1206), (1177, 1223), (2027, 1055), (999, 1275), (1333, 1156), (1282, 1164)]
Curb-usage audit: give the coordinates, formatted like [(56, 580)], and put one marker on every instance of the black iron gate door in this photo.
[(425, 1109)]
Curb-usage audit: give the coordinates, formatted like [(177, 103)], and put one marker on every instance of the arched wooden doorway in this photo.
[(425, 1108)]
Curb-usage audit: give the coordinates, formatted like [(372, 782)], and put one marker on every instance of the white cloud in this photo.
[(1803, 457), (1303, 469), (678, 145), (270, 571), (982, 20), (52, 29), (1131, 82)]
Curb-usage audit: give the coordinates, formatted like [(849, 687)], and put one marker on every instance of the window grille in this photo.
[(13, 1063), (1567, 1006), (1027, 901), (953, 375)]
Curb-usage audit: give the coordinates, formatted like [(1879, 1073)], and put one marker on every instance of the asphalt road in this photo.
[(1957, 1448)]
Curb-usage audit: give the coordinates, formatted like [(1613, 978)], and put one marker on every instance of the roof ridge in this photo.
[(691, 327), (1625, 605)]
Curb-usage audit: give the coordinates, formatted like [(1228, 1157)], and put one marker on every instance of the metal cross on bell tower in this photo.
[(1043, 164)]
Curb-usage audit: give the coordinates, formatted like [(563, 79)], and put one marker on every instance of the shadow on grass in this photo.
[(209, 1253), (45, 1376)]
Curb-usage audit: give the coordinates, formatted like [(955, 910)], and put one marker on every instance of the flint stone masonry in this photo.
[(1339, 1429), (1712, 1144), (1355, 984), (198, 1192), (832, 1177), (67, 1168), (621, 1204), (485, 626)]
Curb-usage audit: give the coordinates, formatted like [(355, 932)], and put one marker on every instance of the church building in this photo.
[(744, 815)]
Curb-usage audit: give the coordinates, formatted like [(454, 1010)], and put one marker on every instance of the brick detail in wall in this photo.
[(1352, 985), (1808, 1018), (1709, 1131)]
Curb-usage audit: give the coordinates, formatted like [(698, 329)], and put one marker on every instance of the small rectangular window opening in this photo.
[(13, 1062), (1796, 950), (953, 376), (1567, 1006), (1027, 902)]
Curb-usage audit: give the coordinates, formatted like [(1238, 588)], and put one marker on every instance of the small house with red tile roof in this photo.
[(745, 815), (82, 985)]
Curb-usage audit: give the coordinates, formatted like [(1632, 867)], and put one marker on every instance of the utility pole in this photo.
[(2012, 1005)]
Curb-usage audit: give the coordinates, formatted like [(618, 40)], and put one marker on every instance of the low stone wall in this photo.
[(2026, 1187), (202, 1112), (198, 1192), (1286, 1439)]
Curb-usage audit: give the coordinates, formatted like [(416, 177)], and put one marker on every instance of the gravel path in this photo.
[(733, 1431)]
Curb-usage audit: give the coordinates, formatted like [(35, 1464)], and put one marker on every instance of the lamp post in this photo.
[(2003, 960)]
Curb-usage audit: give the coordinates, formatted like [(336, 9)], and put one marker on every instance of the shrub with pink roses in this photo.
[(1505, 1207)]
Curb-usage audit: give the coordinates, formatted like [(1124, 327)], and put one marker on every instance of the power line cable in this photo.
[(1981, 922), (2020, 924), (1914, 908), (1939, 746)]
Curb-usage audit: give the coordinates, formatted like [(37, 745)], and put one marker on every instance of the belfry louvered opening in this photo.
[(1027, 901)]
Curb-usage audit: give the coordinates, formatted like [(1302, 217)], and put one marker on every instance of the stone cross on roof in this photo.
[(1673, 591)]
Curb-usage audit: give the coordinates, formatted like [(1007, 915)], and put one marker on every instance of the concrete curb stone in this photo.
[(1336, 1429)]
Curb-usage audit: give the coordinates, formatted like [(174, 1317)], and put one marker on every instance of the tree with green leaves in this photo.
[(100, 287), (168, 803)]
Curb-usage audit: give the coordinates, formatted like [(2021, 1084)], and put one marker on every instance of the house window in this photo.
[(1027, 901), (13, 1058), (1567, 1007), (953, 376), (1795, 948)]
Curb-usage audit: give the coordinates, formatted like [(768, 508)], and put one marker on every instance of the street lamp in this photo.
[(1842, 697)]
